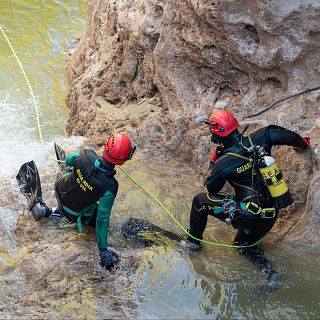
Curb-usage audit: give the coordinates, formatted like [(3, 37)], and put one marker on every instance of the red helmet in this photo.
[(118, 149), (222, 123)]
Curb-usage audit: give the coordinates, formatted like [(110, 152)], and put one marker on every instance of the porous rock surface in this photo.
[(148, 67)]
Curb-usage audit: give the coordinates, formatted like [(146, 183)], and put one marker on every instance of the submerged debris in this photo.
[(144, 232)]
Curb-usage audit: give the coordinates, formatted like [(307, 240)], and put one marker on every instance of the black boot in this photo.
[(192, 244), (272, 275), (256, 256), (56, 213), (198, 222), (40, 210)]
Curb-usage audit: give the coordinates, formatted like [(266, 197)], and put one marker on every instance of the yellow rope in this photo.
[(31, 93), (150, 194)]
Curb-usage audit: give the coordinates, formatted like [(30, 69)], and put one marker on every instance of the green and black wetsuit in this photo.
[(86, 194), (234, 166)]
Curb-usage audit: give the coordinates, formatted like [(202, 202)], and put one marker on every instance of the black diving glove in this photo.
[(108, 258)]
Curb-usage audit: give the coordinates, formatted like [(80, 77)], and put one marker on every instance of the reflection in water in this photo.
[(214, 283), (169, 288), (224, 286)]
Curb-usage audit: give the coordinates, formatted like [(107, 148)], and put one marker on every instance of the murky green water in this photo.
[(215, 283), (170, 284), (41, 33)]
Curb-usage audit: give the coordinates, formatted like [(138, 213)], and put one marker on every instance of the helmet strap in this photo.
[(106, 164), (133, 149), (216, 139)]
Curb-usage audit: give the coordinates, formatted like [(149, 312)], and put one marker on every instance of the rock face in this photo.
[(149, 67)]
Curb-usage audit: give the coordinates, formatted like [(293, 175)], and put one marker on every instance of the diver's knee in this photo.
[(196, 202)]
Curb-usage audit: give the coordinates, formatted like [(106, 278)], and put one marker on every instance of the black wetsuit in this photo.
[(234, 166), (86, 194)]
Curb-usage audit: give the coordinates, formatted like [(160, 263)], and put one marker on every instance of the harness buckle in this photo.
[(229, 206), (268, 213), (253, 208)]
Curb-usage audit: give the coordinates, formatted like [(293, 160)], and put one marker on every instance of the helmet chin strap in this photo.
[(216, 139), (108, 165)]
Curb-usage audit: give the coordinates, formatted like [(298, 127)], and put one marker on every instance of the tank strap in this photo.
[(251, 207)]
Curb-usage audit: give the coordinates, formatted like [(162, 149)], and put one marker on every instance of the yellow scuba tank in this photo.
[(274, 180)]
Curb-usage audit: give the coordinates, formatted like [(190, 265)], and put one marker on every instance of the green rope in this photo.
[(161, 205), (150, 194)]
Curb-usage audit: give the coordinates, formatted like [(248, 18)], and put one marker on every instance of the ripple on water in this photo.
[(8, 224), (8, 249)]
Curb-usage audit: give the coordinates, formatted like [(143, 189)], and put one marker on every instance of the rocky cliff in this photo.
[(148, 67)]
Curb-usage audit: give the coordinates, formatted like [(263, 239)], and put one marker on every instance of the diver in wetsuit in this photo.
[(86, 194), (252, 210)]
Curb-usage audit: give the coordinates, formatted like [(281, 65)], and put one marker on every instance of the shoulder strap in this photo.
[(239, 155), (88, 157), (250, 140)]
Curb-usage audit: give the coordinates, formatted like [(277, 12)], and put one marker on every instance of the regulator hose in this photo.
[(281, 100)]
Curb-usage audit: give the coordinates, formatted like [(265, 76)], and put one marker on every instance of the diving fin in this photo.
[(60, 153), (29, 183), (61, 158)]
